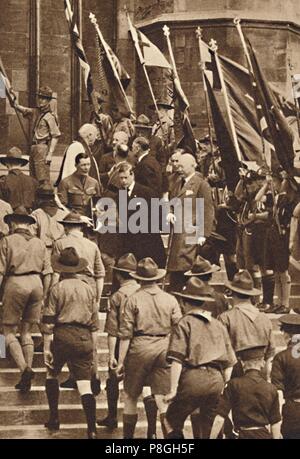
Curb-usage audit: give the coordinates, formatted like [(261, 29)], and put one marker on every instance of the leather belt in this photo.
[(252, 428), (148, 334), (31, 273), (40, 142)]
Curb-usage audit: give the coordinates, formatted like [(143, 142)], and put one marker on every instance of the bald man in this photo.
[(189, 186), (108, 161)]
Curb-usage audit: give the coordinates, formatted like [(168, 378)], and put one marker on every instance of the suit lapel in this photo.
[(190, 185)]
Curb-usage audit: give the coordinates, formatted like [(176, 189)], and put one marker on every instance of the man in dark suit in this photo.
[(187, 189), (148, 171), (142, 245)]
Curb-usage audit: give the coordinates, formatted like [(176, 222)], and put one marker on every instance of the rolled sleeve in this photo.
[(127, 321), (50, 313), (95, 322), (179, 341), (53, 126), (271, 348), (231, 357), (99, 270), (112, 322)]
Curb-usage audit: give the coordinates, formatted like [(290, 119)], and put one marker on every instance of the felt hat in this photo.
[(143, 122), (45, 92), (21, 215), (126, 263), (14, 154), (73, 218), (195, 289), (147, 270), (202, 267), (243, 283), (68, 261)]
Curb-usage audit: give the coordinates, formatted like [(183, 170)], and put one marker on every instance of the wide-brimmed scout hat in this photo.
[(252, 353), (163, 104), (126, 263), (195, 289), (143, 122), (20, 215), (290, 323), (73, 218), (68, 261), (201, 267), (147, 270), (45, 92), (14, 154), (243, 283)]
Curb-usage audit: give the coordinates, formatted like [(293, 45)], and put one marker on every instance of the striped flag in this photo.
[(79, 50)]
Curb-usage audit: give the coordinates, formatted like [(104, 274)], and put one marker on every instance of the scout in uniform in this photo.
[(70, 326), (125, 265), (204, 269), (17, 188), (24, 262), (45, 134), (94, 273), (199, 352), (148, 318), (286, 377), (246, 325), (253, 401), (77, 190)]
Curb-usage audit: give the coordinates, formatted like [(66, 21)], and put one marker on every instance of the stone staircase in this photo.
[(23, 416)]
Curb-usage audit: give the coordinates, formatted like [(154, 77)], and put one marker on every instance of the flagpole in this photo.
[(95, 24), (12, 101), (291, 67), (214, 48), (142, 62)]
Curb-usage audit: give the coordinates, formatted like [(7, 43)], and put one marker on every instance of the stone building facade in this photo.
[(35, 48)]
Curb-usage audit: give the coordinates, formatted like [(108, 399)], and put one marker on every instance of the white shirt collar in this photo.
[(143, 156), (130, 188), (187, 179)]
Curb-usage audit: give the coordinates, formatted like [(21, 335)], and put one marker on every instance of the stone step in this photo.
[(9, 396), (78, 431), (38, 360), (68, 413)]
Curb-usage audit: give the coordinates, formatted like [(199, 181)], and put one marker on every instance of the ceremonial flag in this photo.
[(230, 162), (188, 141), (280, 132), (79, 50)]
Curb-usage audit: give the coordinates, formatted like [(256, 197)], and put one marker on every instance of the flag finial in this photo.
[(166, 30), (93, 18), (236, 21), (199, 32), (213, 45)]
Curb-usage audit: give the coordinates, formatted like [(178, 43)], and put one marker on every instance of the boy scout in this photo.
[(253, 401), (70, 326), (94, 273), (45, 134), (24, 260), (204, 269), (148, 318), (199, 351), (125, 265), (247, 327), (286, 377)]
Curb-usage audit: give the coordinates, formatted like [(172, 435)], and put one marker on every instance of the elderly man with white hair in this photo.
[(189, 187), (87, 136)]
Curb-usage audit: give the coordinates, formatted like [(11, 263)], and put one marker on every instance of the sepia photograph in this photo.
[(150, 222)]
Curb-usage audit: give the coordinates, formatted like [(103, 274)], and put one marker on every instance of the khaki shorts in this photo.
[(22, 299), (146, 365)]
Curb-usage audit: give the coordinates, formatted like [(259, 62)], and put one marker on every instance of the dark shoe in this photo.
[(92, 435), (110, 424), (24, 385), (265, 307), (282, 310), (52, 424), (69, 384), (274, 309)]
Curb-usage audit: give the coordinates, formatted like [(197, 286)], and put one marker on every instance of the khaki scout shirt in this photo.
[(22, 253), (117, 304), (247, 327), (47, 228), (86, 249), (199, 339), (71, 301), (45, 123), (149, 311), (77, 190)]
